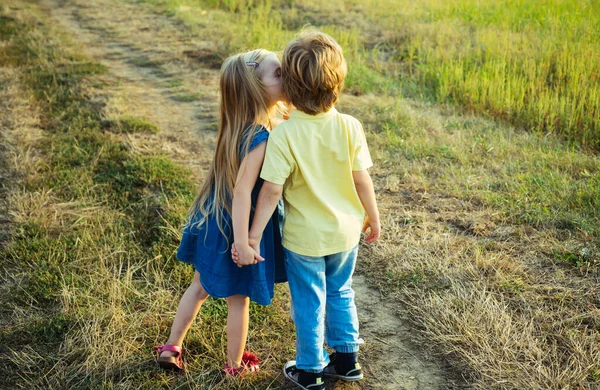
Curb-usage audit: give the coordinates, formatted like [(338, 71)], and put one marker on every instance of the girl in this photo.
[(250, 91)]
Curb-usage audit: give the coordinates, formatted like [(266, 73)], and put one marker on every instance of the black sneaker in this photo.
[(303, 379), (348, 371)]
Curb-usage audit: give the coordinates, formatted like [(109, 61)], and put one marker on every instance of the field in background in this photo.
[(491, 232), (535, 64)]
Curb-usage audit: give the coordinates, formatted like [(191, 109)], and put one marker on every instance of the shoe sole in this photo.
[(289, 377), (343, 377), (169, 364)]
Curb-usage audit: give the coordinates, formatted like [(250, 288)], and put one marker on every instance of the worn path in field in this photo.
[(168, 77)]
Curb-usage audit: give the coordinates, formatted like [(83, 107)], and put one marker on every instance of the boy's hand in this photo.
[(374, 228), (255, 244)]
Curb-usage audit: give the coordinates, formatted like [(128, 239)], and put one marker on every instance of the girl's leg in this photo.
[(188, 308), (237, 328)]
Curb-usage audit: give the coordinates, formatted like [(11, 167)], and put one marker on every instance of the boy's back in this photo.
[(313, 156)]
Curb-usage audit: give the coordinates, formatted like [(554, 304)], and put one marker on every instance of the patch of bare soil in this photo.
[(157, 71)]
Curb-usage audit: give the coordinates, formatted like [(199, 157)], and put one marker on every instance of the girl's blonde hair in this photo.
[(244, 103)]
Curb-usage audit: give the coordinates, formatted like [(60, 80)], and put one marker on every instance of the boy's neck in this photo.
[(332, 109)]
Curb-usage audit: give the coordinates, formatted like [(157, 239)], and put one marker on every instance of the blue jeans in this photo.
[(323, 306)]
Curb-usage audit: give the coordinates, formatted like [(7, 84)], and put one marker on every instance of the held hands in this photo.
[(246, 254), (374, 228)]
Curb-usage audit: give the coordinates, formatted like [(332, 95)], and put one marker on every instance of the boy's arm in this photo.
[(366, 194), (269, 196), (241, 204)]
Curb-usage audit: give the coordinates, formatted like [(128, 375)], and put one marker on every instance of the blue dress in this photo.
[(209, 251)]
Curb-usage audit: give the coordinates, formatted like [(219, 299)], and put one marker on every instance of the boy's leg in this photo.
[(306, 278), (237, 328), (341, 322)]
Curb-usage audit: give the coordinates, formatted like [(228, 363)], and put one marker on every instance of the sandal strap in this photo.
[(250, 360), (231, 370), (170, 348)]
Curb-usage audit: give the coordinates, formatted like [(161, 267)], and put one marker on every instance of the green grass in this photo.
[(77, 150), (187, 97), (532, 63), (144, 62), (130, 125)]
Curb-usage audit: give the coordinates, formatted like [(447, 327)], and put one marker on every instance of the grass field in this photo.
[(482, 118), (534, 64)]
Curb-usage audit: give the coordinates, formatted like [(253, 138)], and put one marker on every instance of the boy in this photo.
[(318, 160)]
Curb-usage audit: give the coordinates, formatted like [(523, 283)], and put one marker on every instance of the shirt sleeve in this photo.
[(279, 163), (362, 157), (261, 136)]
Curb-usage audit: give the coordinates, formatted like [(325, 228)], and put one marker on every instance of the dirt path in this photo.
[(392, 354), (150, 75), (164, 75)]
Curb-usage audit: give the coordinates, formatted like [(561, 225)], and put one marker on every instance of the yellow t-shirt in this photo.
[(313, 157)]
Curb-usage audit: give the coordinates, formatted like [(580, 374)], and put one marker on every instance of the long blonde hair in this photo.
[(244, 101)]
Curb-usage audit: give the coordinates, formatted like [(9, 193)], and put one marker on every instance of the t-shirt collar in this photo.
[(302, 115)]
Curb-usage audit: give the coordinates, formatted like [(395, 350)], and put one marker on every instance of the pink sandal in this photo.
[(250, 363), (174, 363)]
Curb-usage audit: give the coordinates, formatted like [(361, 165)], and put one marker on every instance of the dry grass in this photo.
[(488, 294)]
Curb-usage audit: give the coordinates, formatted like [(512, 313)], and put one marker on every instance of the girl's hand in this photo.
[(374, 228), (244, 255)]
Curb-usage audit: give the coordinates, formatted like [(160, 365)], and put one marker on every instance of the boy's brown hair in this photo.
[(313, 69)]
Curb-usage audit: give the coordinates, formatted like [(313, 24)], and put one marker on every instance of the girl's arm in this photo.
[(269, 196), (240, 208), (366, 194)]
